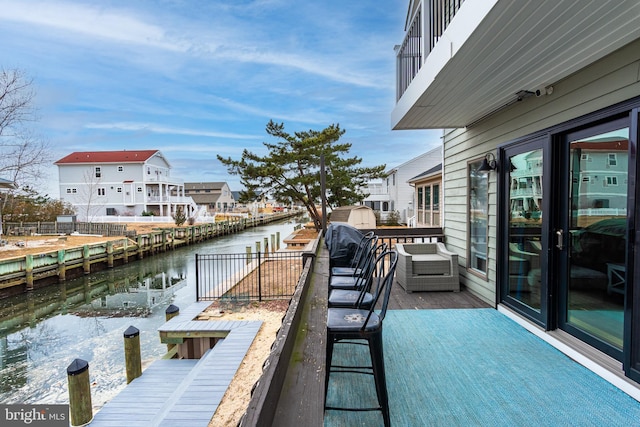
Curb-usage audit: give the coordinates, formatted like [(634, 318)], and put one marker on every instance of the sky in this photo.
[(197, 78)]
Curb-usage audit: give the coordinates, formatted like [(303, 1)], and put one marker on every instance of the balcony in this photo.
[(461, 62), (450, 359)]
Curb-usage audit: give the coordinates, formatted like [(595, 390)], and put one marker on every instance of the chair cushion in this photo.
[(430, 264), (345, 271), (347, 320), (348, 298)]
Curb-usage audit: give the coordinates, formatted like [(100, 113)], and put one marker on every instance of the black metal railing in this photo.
[(247, 276), (391, 236), (436, 15)]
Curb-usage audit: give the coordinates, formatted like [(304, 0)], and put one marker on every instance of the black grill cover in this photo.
[(342, 241)]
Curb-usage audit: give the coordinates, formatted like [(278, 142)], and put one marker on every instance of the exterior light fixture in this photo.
[(489, 163)]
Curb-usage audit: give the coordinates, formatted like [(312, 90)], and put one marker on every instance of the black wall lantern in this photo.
[(489, 163)]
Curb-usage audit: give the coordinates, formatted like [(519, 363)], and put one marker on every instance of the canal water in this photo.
[(42, 332)]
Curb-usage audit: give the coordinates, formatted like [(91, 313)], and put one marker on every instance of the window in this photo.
[(119, 189), (68, 191), (101, 192), (111, 211), (98, 172), (613, 159), (120, 168), (478, 207), (612, 180), (139, 189)]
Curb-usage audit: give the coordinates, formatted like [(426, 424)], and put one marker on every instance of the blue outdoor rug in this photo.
[(474, 367)]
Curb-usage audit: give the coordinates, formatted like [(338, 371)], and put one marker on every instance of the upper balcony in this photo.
[(462, 61)]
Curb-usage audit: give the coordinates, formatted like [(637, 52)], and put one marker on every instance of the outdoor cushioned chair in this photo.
[(427, 267)]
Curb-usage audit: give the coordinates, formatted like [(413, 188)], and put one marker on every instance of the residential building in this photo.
[(394, 193), (127, 183), (214, 197), (540, 101), (378, 197), (426, 197)]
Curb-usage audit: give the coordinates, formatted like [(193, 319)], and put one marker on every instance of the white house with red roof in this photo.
[(121, 183)]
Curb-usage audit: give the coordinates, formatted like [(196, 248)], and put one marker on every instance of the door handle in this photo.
[(560, 239)]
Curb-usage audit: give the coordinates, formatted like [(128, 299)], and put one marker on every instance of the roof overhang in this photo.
[(495, 51), (6, 184)]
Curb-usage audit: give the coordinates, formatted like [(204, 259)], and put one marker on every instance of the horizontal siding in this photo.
[(614, 79)]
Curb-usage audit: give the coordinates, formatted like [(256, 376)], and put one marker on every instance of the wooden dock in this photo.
[(183, 392)]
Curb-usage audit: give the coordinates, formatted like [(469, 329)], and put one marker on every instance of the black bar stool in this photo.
[(354, 325)]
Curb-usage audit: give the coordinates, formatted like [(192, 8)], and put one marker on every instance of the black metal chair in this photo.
[(367, 242), (363, 297), (363, 279), (354, 325)]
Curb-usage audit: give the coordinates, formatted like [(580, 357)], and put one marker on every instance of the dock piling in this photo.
[(79, 392), (132, 358)]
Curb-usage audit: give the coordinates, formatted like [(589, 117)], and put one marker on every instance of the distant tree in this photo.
[(290, 172), (89, 200), (22, 153), (179, 217), (29, 206)]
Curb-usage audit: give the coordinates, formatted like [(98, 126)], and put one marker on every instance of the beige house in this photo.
[(426, 198), (213, 197)]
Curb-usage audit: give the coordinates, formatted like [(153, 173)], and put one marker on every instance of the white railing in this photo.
[(412, 222), (118, 219), (610, 212)]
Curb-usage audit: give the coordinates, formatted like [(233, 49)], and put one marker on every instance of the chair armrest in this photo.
[(404, 260), (453, 257)]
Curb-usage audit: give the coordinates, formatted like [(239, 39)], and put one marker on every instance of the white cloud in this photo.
[(154, 128)]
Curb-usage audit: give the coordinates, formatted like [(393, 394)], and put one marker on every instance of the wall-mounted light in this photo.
[(489, 163)]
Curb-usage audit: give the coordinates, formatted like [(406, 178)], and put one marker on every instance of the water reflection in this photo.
[(43, 331)]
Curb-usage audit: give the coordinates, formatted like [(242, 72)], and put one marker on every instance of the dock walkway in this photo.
[(183, 392)]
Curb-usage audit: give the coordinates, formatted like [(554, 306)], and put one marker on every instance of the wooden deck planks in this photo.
[(183, 392), (302, 398)]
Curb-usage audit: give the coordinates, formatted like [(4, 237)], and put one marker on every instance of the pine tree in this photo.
[(290, 172)]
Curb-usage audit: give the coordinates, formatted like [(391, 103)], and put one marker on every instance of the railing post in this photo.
[(197, 280), (259, 278)]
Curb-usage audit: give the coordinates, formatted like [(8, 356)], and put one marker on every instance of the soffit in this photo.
[(517, 46)]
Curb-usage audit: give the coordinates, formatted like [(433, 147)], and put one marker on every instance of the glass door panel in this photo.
[(524, 277), (596, 235)]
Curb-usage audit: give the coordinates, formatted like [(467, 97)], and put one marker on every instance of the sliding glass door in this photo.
[(524, 284), (591, 236)]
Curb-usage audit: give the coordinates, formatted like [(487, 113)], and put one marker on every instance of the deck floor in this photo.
[(302, 397)]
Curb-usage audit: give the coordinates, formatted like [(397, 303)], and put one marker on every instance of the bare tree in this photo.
[(22, 153), (89, 199)]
